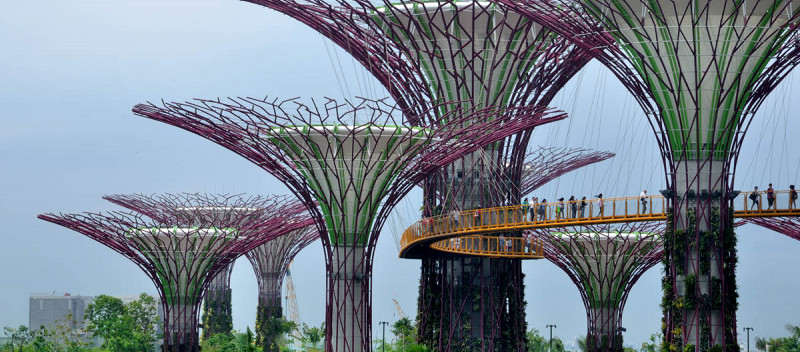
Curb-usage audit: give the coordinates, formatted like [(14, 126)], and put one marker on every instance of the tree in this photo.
[(245, 342), (781, 344), (312, 336), (103, 315), (20, 337), (537, 343), (406, 332), (124, 328), (654, 345), (581, 342), (219, 343), (273, 330)]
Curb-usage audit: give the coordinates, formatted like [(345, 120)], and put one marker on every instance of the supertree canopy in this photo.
[(546, 164), (604, 265), (350, 164), (180, 259), (193, 210), (787, 225), (700, 70), (270, 262)]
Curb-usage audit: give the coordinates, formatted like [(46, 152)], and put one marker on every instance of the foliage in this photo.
[(230, 342), (62, 338), (654, 345), (405, 331), (124, 327), (273, 330), (538, 343), (781, 344), (216, 313), (311, 337)]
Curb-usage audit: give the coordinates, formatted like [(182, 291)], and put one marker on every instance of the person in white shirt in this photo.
[(643, 199)]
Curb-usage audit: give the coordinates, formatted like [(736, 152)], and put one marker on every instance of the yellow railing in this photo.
[(572, 213), (491, 246), (782, 205)]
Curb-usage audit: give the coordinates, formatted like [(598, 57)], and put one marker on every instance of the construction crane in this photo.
[(291, 305), (399, 310)]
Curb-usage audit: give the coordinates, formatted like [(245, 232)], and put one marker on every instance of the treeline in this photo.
[(109, 326)]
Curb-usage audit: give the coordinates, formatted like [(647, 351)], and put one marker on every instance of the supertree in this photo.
[(182, 259), (700, 70), (270, 262), (604, 264), (546, 164), (193, 209), (350, 164), (787, 225), (473, 55)]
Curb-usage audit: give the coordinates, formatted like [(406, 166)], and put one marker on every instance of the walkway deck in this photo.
[(454, 231)]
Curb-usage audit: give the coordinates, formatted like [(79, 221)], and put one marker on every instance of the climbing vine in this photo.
[(689, 258), (217, 317)]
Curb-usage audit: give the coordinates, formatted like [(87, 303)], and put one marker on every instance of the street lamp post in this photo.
[(383, 339), (551, 326), (748, 329), (620, 330)]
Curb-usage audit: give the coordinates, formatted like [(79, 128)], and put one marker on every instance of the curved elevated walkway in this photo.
[(473, 232)]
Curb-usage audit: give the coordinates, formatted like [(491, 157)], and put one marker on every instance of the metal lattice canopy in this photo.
[(350, 164), (181, 258), (471, 54), (349, 159), (700, 69), (194, 209), (271, 261), (546, 164), (789, 225), (604, 265)]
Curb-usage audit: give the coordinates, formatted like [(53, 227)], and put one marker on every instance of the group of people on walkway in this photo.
[(572, 208), (538, 210), (755, 198)]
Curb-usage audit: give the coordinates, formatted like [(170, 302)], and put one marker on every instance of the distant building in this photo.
[(53, 310)]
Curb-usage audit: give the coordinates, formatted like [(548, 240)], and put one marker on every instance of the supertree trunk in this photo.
[(269, 308), (700, 283), (217, 310), (270, 263), (349, 287)]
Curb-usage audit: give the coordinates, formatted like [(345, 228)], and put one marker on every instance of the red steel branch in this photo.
[(789, 226), (546, 164)]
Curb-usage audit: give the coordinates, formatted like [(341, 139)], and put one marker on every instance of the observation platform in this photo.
[(475, 232)]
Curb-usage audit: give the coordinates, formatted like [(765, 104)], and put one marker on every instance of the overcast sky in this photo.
[(70, 71)]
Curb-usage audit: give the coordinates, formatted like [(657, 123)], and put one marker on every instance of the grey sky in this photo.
[(71, 71)]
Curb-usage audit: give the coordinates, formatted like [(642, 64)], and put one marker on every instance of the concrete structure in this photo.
[(49, 311)]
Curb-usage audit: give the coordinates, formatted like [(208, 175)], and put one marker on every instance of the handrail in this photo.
[(560, 214), (490, 246)]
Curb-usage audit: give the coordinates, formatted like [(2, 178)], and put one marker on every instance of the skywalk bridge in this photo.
[(475, 232)]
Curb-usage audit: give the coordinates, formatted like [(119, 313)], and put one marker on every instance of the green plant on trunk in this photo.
[(215, 319)]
